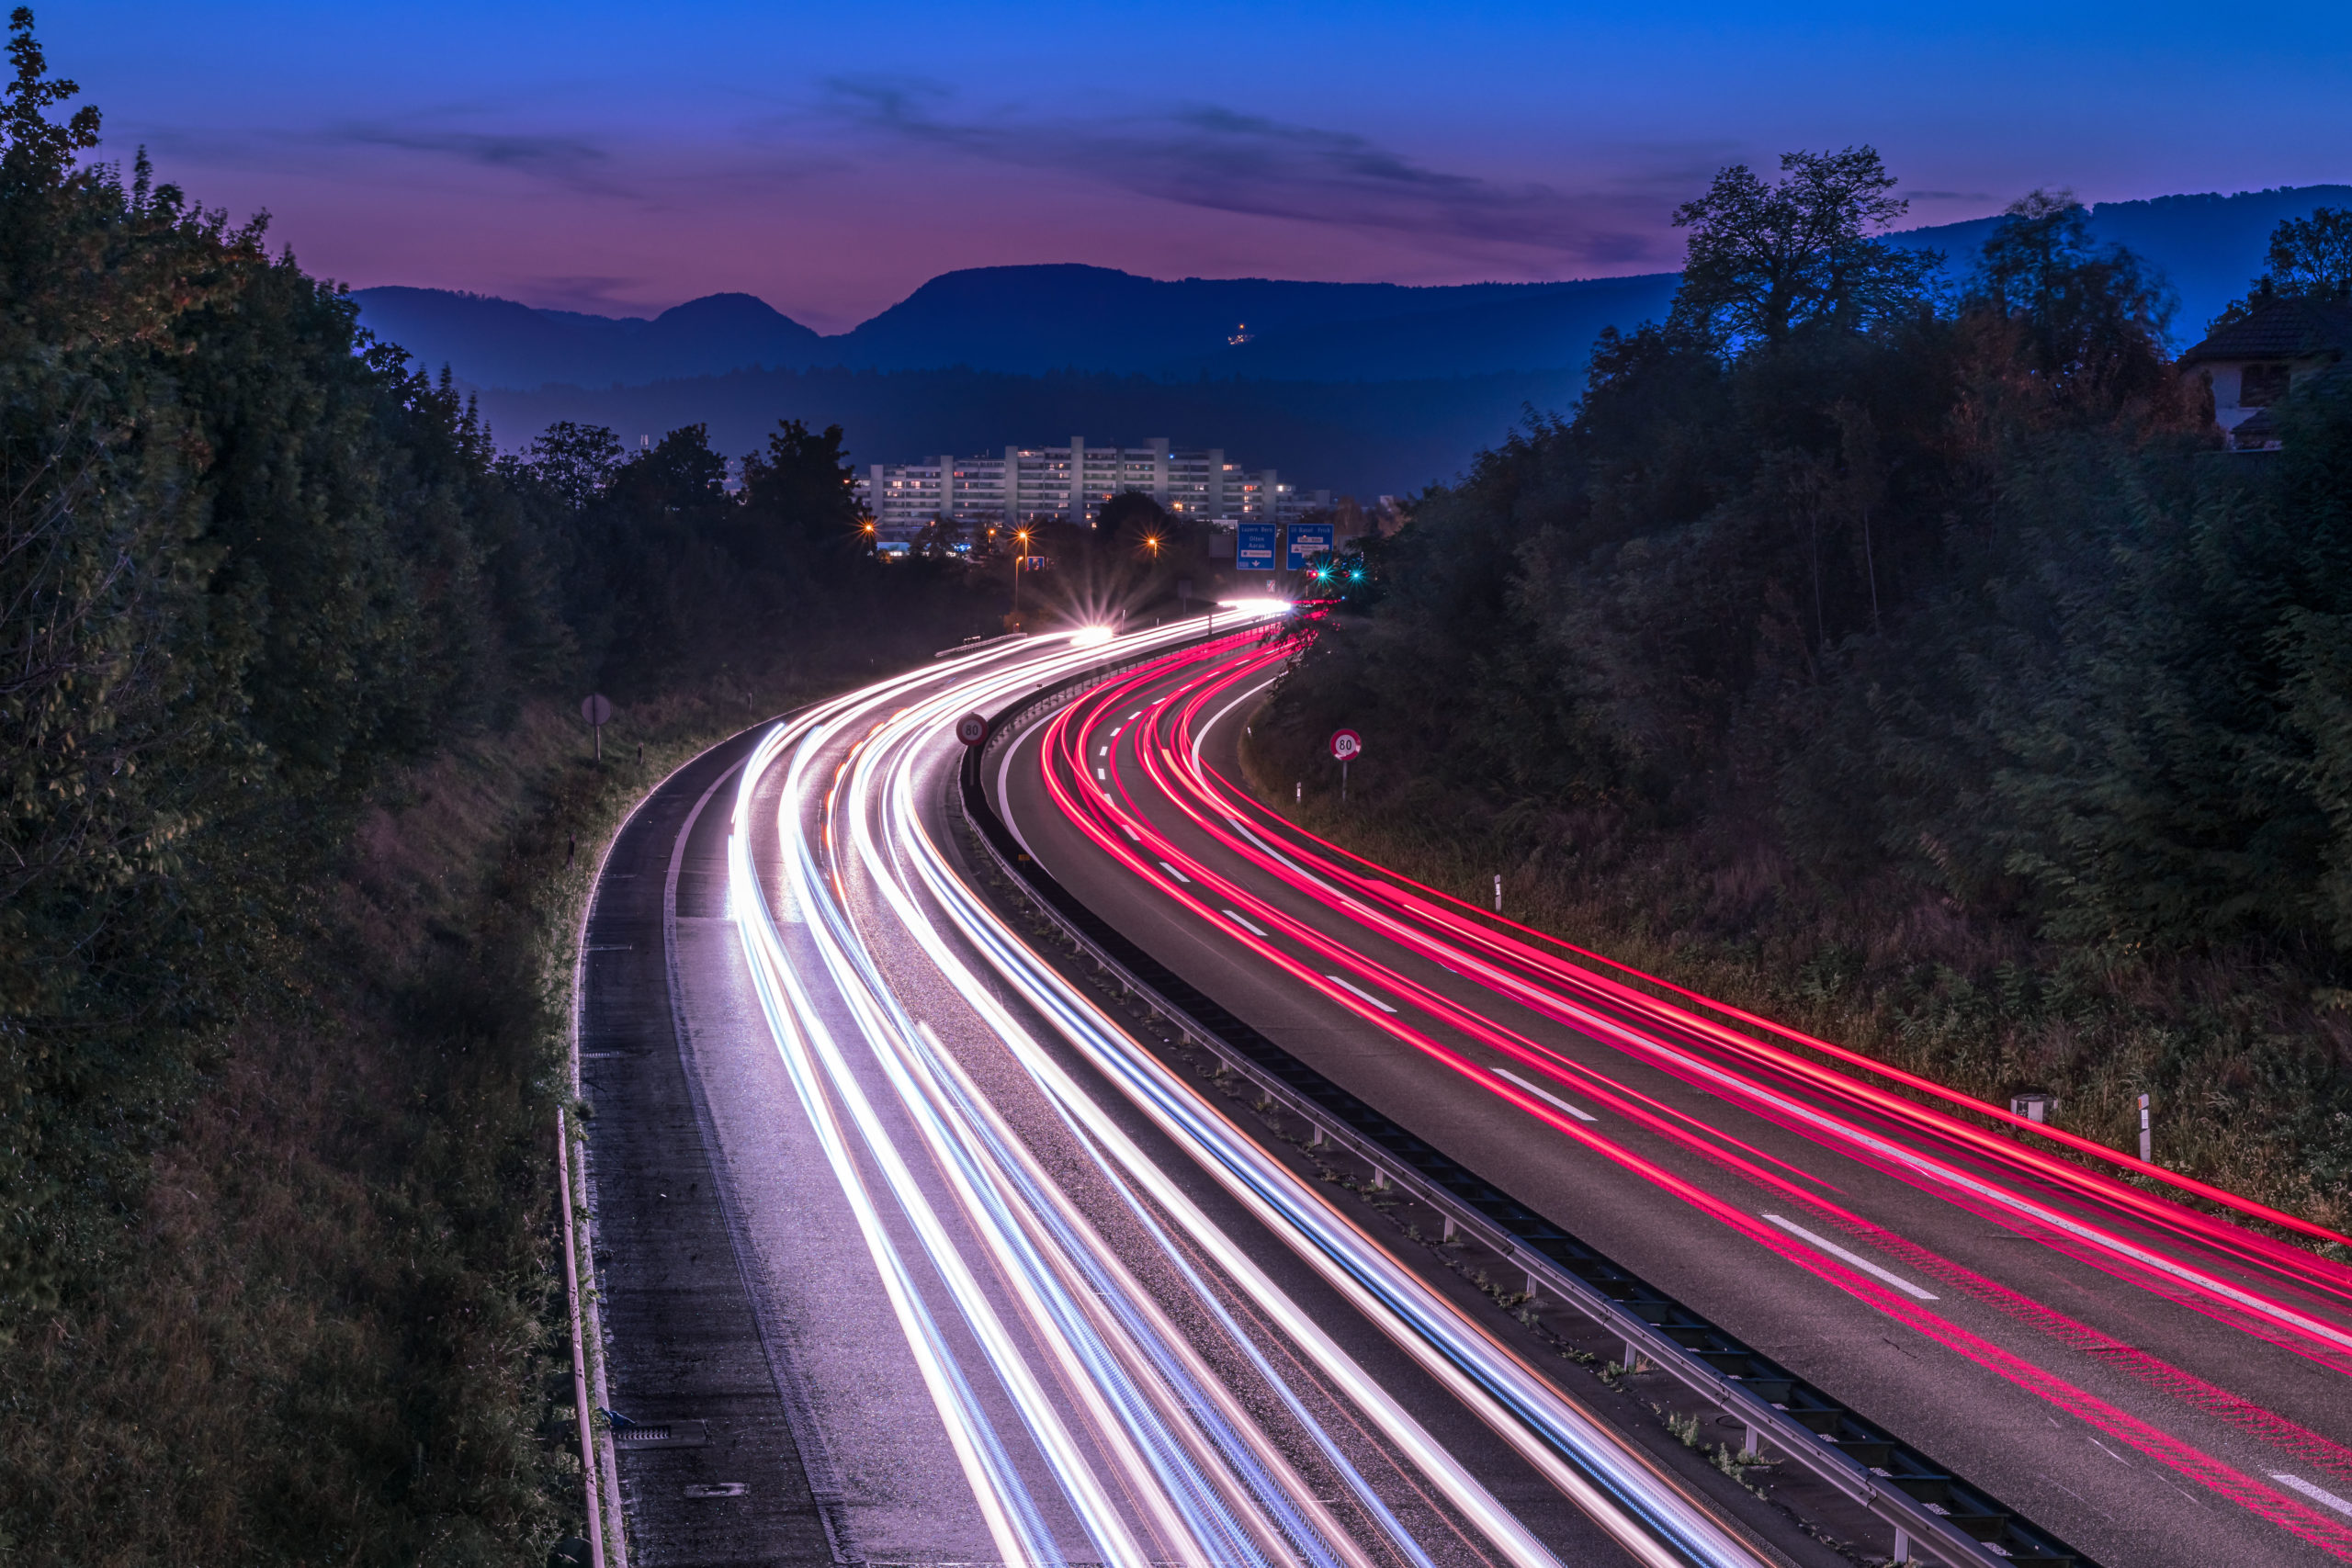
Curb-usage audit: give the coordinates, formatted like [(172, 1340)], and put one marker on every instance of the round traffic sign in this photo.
[(596, 709), (971, 729), (1346, 744)]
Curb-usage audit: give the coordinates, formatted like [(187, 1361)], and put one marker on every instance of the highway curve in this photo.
[(2151, 1373), (916, 1247)]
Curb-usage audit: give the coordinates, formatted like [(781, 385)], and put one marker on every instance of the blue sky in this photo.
[(590, 156)]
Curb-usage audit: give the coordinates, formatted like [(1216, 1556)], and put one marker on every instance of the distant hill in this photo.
[(497, 343), (1035, 319), (1030, 320)]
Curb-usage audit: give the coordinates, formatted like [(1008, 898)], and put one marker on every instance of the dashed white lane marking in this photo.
[(1114, 730), (1542, 1093), (1856, 1258), (1132, 835), (1361, 992), (2316, 1493), (1174, 871), (2111, 1454), (1245, 925), (1100, 775)]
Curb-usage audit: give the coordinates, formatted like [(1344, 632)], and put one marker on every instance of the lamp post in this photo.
[(1019, 565)]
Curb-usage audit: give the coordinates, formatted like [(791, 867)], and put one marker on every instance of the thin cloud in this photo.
[(1222, 160), (571, 162)]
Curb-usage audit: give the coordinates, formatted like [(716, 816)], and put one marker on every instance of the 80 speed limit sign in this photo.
[(1346, 744)]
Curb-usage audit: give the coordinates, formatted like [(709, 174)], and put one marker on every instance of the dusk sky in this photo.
[(830, 159)]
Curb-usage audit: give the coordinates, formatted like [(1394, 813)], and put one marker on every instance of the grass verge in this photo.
[(330, 1327), (2250, 1070)]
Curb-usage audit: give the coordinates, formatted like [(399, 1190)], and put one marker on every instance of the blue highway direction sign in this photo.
[(1308, 540), (1254, 548)]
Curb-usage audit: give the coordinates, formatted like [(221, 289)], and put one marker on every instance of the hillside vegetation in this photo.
[(1918, 669), (294, 827)]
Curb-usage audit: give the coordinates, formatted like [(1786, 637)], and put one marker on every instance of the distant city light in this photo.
[(1090, 636)]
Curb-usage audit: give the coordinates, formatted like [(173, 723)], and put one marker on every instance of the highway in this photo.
[(984, 1273), (2153, 1372)]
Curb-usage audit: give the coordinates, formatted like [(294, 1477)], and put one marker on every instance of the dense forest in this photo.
[(259, 577), (1919, 654)]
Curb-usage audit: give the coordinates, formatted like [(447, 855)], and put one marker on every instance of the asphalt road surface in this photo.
[(941, 1255)]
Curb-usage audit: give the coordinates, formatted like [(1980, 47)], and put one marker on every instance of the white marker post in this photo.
[(1498, 893), (2145, 1156)]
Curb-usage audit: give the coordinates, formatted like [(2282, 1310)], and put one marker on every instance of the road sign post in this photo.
[(597, 710), (1346, 746)]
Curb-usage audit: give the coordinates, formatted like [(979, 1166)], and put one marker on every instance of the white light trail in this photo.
[(1078, 1395)]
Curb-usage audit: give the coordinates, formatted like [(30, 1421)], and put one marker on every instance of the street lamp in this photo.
[(1019, 565)]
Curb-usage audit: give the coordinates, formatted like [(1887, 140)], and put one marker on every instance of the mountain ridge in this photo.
[(1028, 319)]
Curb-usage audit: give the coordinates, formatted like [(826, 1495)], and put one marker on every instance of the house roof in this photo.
[(2283, 329)]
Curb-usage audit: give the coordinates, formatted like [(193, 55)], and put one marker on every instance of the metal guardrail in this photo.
[(1926, 1505), (575, 1323)]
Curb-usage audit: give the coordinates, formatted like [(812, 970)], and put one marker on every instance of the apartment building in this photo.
[(1072, 482)]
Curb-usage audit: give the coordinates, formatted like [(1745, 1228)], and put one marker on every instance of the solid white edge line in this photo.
[(1361, 992), (1245, 925), (1545, 1094), (2315, 1493), (1856, 1258)]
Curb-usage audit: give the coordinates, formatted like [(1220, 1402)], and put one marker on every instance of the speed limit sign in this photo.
[(971, 729), (1346, 744)]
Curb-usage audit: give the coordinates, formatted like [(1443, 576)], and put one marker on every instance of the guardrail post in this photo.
[(1747, 1443), (1449, 1229), (1902, 1544)]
